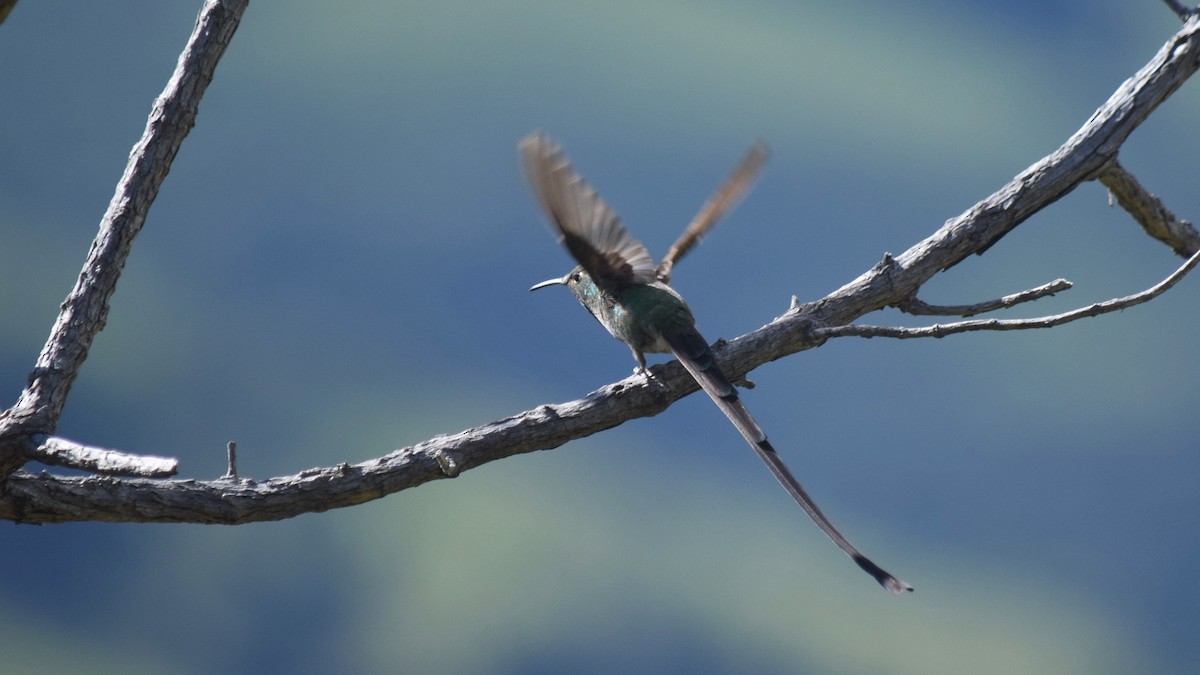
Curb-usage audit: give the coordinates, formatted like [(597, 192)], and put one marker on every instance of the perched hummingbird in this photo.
[(617, 282)]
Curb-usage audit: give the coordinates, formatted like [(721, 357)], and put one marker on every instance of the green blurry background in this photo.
[(337, 267)]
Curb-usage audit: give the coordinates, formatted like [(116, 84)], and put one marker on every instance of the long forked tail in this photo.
[(693, 352)]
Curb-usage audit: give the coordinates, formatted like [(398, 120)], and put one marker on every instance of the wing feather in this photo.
[(588, 227), (722, 201)]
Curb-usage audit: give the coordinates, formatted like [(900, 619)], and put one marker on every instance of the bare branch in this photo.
[(1043, 183), (916, 307), (1148, 210), (942, 330), (1182, 11), (48, 498), (57, 451), (85, 310)]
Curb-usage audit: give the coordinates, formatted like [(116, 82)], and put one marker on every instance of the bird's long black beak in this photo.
[(550, 282)]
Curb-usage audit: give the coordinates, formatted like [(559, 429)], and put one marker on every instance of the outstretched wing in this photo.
[(723, 200), (591, 231)]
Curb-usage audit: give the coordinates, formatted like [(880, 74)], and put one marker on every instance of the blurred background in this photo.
[(338, 266)]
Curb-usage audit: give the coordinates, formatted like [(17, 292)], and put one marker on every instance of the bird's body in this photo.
[(638, 315), (617, 282)]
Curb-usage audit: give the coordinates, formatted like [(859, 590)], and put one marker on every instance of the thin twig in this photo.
[(56, 451), (1182, 11), (231, 459), (917, 307), (942, 330), (1148, 210)]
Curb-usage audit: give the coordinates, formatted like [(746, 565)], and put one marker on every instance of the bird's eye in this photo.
[(575, 277)]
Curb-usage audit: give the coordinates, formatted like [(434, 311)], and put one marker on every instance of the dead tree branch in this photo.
[(918, 308), (57, 451), (45, 497), (942, 330), (85, 310), (1182, 11), (1154, 217)]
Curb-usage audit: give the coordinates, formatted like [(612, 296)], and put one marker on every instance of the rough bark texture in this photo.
[(46, 498), (85, 310)]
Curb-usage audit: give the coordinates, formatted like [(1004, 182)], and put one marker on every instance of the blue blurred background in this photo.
[(337, 267)]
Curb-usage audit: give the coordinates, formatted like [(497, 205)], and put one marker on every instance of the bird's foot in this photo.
[(650, 378)]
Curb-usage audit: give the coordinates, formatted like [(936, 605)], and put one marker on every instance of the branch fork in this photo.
[(130, 488)]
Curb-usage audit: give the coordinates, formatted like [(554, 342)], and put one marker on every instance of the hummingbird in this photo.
[(618, 283)]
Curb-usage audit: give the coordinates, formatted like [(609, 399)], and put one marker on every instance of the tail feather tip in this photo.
[(896, 586), (881, 575)]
